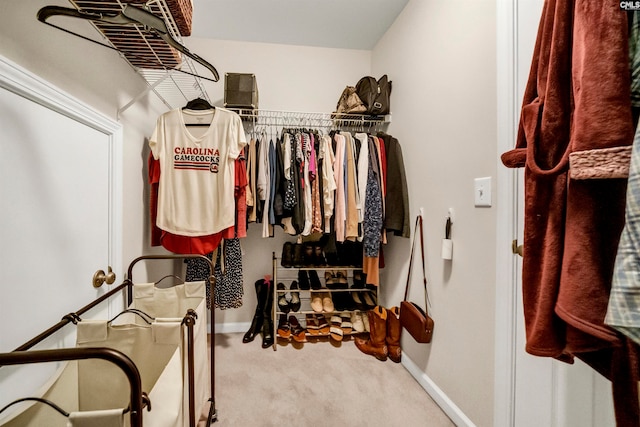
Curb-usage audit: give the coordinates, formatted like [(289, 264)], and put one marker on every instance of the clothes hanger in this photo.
[(129, 15), (198, 104)]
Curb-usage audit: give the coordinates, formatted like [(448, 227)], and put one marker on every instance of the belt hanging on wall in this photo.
[(128, 16)]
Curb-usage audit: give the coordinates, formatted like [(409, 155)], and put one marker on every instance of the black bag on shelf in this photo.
[(375, 94)]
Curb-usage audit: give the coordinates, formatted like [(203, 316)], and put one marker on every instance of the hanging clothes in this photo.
[(340, 212), (228, 274), (273, 179), (196, 187), (382, 163), (351, 228), (373, 219), (328, 180), (252, 200), (576, 115), (241, 186), (306, 183), (288, 164), (264, 184), (316, 188), (298, 217), (199, 245), (396, 218), (363, 172)]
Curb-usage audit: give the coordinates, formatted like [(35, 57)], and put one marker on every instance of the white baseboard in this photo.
[(442, 400)]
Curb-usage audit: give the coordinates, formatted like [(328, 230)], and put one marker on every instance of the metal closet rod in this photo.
[(309, 119), (285, 117)]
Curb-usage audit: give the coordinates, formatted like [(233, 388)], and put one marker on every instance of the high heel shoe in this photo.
[(283, 303), (295, 297)]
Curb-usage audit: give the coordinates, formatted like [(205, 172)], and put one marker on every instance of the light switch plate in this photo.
[(482, 192)]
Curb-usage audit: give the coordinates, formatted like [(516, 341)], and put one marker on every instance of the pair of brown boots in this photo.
[(384, 335)]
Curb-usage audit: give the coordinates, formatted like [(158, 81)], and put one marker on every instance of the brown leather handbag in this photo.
[(412, 317)]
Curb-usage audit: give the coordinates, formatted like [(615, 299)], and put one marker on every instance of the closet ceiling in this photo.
[(348, 24)]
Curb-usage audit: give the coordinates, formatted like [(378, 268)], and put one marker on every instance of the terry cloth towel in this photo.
[(103, 418), (577, 101)]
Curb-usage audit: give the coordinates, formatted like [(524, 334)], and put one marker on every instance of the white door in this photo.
[(59, 215), (548, 392)]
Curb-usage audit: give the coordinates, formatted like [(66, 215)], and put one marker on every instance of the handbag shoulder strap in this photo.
[(424, 274)]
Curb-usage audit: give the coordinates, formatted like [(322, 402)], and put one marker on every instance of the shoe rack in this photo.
[(346, 303)]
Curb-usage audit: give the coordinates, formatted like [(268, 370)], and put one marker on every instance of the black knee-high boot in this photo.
[(267, 325), (258, 317)]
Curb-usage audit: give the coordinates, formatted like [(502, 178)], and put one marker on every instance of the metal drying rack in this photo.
[(149, 56)]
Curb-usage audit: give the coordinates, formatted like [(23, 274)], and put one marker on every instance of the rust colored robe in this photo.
[(575, 123)]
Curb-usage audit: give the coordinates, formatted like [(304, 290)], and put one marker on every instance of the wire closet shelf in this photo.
[(298, 119), (154, 60)]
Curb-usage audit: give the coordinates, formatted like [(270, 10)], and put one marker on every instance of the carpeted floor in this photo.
[(315, 384)]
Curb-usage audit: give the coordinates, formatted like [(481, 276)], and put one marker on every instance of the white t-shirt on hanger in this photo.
[(197, 164)]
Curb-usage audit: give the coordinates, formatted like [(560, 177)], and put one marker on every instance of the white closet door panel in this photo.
[(60, 218), (55, 228), (60, 187)]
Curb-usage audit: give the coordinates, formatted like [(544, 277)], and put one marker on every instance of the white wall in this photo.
[(441, 56), (290, 78)]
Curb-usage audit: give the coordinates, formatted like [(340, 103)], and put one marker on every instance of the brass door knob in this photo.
[(100, 277), (516, 249)]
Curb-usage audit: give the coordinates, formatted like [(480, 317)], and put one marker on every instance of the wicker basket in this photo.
[(182, 12)]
